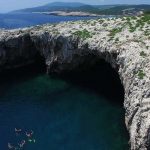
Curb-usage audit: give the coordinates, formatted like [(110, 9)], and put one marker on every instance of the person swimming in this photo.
[(30, 137), (18, 131), (29, 134), (21, 145), (10, 146), (31, 140)]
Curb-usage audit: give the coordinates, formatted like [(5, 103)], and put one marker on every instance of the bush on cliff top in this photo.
[(141, 74), (84, 34)]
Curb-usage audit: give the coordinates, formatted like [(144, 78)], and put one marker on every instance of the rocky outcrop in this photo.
[(124, 43)]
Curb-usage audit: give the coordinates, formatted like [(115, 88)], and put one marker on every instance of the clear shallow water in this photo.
[(63, 116), (19, 20)]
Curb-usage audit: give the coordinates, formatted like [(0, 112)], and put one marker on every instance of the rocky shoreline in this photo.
[(122, 42), (75, 14)]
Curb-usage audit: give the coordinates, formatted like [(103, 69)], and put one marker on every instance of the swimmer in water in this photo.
[(10, 146), (31, 140), (30, 137), (18, 131), (29, 134), (23, 142)]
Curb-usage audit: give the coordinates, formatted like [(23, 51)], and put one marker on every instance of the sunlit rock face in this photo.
[(67, 46)]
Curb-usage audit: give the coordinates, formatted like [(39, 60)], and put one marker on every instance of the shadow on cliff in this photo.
[(100, 78), (9, 77)]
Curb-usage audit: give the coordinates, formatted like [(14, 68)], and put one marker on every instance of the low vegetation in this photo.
[(114, 31), (141, 74), (135, 22), (143, 54), (83, 34)]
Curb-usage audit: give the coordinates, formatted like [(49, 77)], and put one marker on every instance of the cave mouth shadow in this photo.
[(95, 76), (98, 77), (23, 73)]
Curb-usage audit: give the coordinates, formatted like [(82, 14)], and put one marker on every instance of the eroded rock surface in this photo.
[(124, 43)]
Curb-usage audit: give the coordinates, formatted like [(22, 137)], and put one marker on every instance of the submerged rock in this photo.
[(122, 42)]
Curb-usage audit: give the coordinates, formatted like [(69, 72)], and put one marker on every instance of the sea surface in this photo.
[(80, 112), (20, 20)]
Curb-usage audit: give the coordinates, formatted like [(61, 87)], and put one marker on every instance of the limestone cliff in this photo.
[(123, 42)]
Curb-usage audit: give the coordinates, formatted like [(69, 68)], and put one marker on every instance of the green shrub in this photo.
[(141, 74), (101, 21), (139, 22), (114, 31), (143, 54), (117, 39), (84, 34)]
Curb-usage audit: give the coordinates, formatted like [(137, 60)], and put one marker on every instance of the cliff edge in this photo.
[(122, 42)]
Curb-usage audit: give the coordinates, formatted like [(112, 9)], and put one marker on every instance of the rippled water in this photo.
[(63, 115)]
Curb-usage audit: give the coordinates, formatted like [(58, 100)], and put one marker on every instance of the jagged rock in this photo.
[(67, 45)]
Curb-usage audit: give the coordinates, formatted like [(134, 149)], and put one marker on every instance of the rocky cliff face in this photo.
[(124, 43)]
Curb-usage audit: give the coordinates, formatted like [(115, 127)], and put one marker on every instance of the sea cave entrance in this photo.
[(78, 109), (96, 75)]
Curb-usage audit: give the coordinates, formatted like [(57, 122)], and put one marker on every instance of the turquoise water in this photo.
[(63, 115)]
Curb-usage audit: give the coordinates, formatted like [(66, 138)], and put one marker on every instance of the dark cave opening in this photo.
[(96, 76), (92, 73), (24, 72)]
